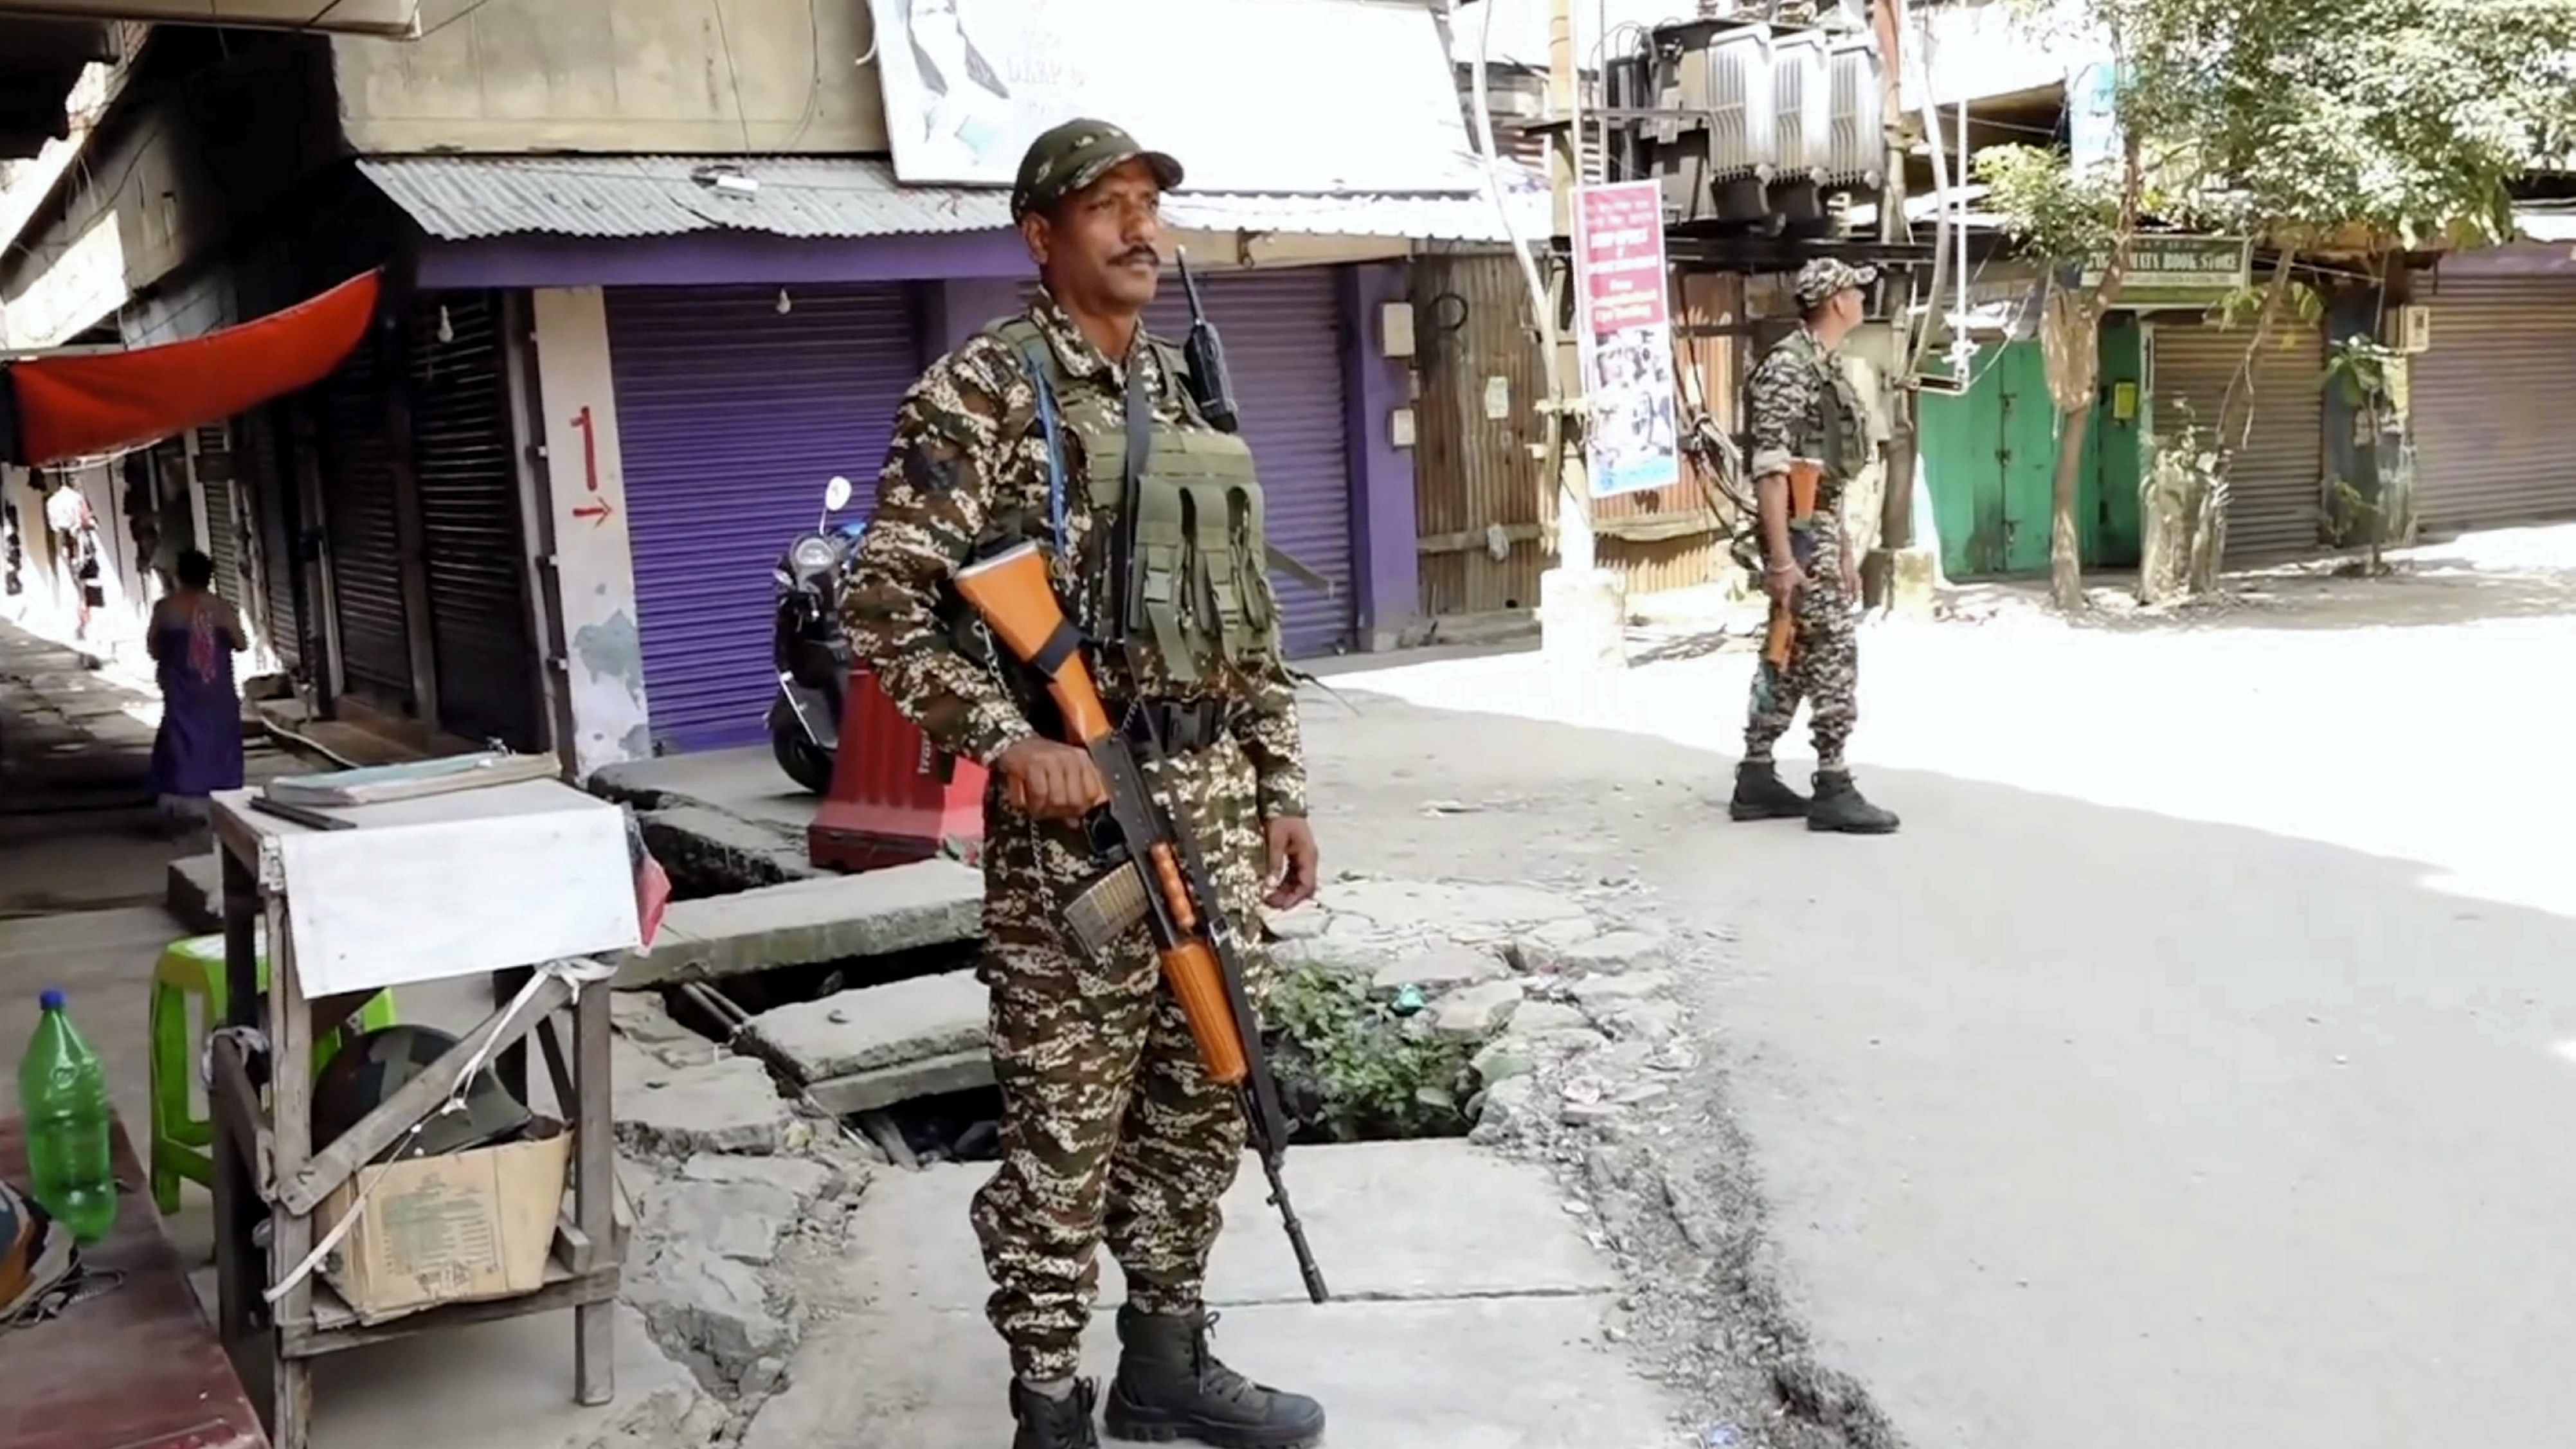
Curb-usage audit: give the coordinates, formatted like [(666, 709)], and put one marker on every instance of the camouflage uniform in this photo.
[(1797, 381), (1110, 1127)]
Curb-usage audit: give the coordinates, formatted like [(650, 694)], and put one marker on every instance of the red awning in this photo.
[(73, 407)]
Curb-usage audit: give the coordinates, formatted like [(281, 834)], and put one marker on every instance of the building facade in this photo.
[(541, 504)]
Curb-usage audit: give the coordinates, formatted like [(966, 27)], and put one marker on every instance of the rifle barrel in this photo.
[(1307, 1268)]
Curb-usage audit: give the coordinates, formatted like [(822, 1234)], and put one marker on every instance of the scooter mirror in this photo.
[(836, 495)]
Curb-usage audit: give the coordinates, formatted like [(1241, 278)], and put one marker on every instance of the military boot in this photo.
[(1047, 1423), (1760, 794), (1170, 1387), (1840, 808)]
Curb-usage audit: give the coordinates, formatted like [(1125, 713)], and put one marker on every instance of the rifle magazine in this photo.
[(1105, 911)]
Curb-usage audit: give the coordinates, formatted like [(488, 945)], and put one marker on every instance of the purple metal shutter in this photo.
[(731, 418), (1283, 344)]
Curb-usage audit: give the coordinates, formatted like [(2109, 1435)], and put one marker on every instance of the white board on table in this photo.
[(451, 885)]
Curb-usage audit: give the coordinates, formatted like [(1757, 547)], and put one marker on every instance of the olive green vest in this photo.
[(1845, 426), (1195, 601)]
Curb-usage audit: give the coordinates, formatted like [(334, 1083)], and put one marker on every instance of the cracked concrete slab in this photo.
[(508, 1385), (902, 908), (1507, 1373), (1388, 1220)]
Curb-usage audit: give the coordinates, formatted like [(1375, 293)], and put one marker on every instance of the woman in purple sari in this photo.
[(195, 635)]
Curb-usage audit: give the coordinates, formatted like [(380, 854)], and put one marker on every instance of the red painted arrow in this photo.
[(597, 512)]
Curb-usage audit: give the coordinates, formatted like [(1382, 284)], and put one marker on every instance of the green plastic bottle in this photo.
[(63, 1095)]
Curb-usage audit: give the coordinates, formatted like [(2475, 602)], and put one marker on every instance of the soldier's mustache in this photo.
[(1138, 254)]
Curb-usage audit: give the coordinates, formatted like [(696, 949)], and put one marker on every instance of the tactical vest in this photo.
[(1841, 437), (1194, 602), (1845, 427)]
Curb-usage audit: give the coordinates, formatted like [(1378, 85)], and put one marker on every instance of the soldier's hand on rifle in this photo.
[(1293, 862), (1052, 781), (1782, 581)]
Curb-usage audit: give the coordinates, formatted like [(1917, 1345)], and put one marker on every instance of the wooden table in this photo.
[(268, 1168), (137, 1366)]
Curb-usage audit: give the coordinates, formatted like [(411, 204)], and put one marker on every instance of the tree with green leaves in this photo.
[(2350, 128)]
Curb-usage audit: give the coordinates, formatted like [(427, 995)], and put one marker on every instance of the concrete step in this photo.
[(196, 893), (860, 1050), (931, 903)]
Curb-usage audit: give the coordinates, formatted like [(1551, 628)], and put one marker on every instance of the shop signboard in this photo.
[(1625, 335)]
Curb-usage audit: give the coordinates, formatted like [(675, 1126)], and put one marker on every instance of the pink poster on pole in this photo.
[(1625, 333)]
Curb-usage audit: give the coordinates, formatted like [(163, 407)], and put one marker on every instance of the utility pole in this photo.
[(1565, 173), (1900, 573), (1583, 609)]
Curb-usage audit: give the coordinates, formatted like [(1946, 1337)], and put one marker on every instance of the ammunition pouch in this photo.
[(1194, 600)]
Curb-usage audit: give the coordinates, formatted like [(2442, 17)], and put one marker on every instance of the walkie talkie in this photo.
[(1209, 386)]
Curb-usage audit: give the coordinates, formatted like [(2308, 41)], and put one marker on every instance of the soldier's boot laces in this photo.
[(1050, 1423), (1760, 794), (1170, 1387), (1840, 808)]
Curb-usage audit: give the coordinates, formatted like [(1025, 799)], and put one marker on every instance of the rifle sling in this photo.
[(1062, 644), (1140, 452), (1288, 564)]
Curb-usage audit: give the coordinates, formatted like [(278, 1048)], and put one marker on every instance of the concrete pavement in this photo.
[(1468, 1315)]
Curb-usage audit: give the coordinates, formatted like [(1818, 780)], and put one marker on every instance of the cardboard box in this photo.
[(463, 1228)]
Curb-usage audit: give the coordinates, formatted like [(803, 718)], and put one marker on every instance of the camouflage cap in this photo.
[(1073, 156), (1825, 276)]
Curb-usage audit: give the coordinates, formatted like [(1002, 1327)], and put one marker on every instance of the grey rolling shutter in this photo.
[(2277, 483), (475, 555), (2487, 401), (217, 474), (361, 493), (268, 489)]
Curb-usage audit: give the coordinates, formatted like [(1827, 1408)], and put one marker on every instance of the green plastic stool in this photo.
[(180, 1138)]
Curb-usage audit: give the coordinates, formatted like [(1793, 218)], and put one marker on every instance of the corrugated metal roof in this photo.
[(463, 198)]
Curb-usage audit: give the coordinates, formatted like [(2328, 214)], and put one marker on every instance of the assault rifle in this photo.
[(1163, 878), (1212, 388), (1804, 476)]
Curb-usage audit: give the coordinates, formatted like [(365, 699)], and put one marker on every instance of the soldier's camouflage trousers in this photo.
[(1111, 1129), (1824, 663)]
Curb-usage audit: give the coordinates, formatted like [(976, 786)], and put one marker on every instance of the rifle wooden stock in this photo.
[(1782, 633), (1805, 475), (1012, 592)]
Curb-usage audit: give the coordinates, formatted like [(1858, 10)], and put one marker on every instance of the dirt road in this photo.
[(2195, 1068)]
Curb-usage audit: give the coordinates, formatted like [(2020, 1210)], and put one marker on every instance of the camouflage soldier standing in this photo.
[(1052, 426), (1805, 407)]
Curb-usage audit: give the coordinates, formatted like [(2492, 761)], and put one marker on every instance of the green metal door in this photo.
[(1962, 445), (2109, 503), (1990, 456), (2028, 456)]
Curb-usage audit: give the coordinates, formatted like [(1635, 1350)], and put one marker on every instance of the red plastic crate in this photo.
[(889, 803)]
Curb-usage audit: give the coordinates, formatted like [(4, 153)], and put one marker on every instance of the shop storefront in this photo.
[(2276, 484), (735, 405), (2487, 400)]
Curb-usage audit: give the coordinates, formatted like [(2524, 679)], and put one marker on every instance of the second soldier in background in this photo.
[(1807, 414), (1070, 426)]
